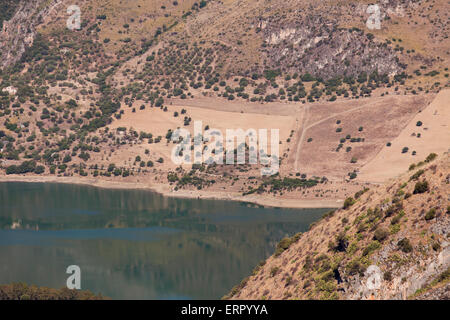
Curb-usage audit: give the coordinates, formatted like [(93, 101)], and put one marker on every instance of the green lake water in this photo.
[(133, 244)]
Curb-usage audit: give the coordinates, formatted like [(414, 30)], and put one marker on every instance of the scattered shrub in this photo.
[(431, 157), (431, 214), (381, 234), (405, 245), (341, 242), (25, 167), (274, 271), (416, 175), (355, 267), (348, 202), (39, 170), (387, 276), (421, 187), (436, 246), (374, 245)]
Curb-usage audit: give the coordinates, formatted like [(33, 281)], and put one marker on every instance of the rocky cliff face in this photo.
[(7, 9), (318, 47), (316, 42), (18, 33), (391, 242)]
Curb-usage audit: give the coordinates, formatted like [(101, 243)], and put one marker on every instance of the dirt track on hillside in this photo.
[(434, 137)]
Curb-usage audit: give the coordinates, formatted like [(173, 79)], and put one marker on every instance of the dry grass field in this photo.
[(159, 122), (361, 127), (433, 135)]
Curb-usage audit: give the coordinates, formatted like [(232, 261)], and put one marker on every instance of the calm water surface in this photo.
[(133, 244)]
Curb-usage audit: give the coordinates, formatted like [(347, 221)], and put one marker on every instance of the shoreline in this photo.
[(165, 190)]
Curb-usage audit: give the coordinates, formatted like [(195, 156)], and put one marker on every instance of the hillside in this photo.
[(21, 291), (100, 103), (360, 93), (400, 228)]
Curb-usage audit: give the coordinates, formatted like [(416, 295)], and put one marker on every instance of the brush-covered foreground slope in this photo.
[(21, 291), (402, 228)]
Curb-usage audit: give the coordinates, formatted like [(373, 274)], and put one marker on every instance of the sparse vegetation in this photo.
[(405, 245), (21, 291), (431, 214), (421, 187), (348, 203)]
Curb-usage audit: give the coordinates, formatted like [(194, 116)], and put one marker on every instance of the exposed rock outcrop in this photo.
[(18, 33), (314, 43), (319, 48)]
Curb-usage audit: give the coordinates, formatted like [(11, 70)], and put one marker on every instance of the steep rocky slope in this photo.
[(389, 242), (325, 38)]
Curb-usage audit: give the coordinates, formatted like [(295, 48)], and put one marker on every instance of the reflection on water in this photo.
[(134, 244)]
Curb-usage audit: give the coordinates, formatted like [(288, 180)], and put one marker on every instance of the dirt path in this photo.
[(305, 120), (302, 135)]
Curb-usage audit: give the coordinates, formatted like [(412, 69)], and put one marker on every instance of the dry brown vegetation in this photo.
[(401, 230), (98, 103)]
